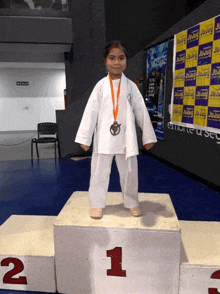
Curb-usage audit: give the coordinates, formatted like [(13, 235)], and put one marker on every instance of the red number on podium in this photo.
[(18, 267), (215, 275), (116, 258)]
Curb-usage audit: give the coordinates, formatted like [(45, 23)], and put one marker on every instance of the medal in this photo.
[(115, 127)]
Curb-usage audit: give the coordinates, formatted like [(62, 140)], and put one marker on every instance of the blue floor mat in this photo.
[(44, 187)]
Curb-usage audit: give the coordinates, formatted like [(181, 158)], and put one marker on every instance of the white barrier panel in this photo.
[(200, 258), (119, 253), (27, 254)]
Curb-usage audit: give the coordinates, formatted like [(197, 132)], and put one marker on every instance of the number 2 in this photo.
[(116, 258), (18, 267)]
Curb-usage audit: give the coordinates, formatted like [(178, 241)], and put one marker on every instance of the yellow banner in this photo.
[(216, 51), (200, 115), (191, 57), (197, 76), (214, 96), (189, 95), (177, 112), (181, 40), (203, 75), (206, 31), (179, 78)]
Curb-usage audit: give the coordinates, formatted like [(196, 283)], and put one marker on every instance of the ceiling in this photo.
[(137, 25), (29, 53), (41, 65)]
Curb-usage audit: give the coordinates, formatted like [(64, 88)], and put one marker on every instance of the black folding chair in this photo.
[(47, 133)]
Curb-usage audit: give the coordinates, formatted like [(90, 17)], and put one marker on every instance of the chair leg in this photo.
[(37, 150), (55, 146), (59, 148), (31, 150)]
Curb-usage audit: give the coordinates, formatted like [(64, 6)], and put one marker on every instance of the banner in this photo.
[(155, 76), (196, 84)]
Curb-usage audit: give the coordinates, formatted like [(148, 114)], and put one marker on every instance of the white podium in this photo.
[(119, 253), (200, 258), (27, 254)]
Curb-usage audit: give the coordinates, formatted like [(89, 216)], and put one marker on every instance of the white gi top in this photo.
[(98, 118)]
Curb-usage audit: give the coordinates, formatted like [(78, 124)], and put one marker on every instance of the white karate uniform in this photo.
[(97, 119)]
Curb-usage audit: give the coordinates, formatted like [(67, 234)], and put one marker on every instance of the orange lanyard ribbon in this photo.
[(115, 110)]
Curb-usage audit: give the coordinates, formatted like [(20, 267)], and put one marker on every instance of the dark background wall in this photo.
[(84, 68), (193, 151), (140, 24)]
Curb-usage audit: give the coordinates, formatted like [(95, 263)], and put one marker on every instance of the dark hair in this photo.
[(114, 44)]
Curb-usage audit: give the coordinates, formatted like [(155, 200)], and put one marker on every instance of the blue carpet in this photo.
[(44, 187)]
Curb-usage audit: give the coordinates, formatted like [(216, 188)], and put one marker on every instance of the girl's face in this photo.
[(116, 63)]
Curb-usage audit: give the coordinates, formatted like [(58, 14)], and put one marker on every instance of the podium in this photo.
[(27, 254), (73, 253), (119, 253), (200, 258)]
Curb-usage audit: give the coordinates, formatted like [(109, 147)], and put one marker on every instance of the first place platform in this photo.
[(119, 253)]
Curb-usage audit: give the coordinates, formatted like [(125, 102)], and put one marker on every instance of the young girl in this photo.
[(110, 114)]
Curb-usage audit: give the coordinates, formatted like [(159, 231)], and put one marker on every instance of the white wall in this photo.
[(23, 107)]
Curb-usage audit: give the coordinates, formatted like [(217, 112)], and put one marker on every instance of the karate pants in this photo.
[(99, 180)]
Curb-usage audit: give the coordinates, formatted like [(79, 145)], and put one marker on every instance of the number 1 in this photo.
[(116, 258)]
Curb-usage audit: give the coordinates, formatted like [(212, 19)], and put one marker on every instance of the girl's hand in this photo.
[(148, 146), (84, 147)]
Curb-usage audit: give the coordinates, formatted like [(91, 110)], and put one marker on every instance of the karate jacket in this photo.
[(98, 118)]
